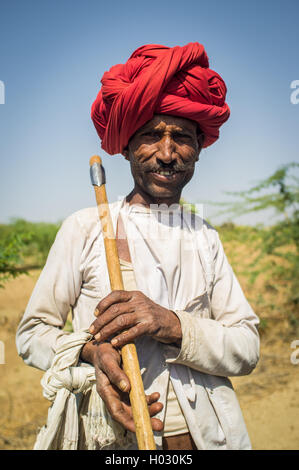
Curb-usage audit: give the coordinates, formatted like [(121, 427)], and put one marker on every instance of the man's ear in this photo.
[(200, 140), (126, 153)]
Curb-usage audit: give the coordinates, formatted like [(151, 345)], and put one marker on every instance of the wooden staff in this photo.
[(144, 432)]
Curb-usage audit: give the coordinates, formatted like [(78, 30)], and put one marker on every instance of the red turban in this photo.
[(159, 80)]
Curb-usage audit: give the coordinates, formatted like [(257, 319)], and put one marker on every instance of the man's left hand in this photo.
[(127, 315)]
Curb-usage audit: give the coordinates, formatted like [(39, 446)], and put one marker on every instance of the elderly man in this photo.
[(182, 305)]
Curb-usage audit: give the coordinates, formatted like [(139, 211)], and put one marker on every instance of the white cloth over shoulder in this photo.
[(61, 383)]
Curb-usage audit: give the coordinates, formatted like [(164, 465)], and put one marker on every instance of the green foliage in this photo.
[(11, 248), (282, 242), (284, 200), (42, 237), (241, 233), (24, 245), (277, 246)]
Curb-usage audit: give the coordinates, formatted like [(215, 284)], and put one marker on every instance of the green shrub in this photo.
[(11, 248), (24, 245), (276, 247)]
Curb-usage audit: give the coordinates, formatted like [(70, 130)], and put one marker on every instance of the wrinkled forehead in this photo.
[(161, 121)]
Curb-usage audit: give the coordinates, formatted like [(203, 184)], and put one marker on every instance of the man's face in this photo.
[(162, 154)]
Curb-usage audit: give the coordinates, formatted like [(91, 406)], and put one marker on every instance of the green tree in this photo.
[(283, 197), (11, 248), (24, 245), (278, 245)]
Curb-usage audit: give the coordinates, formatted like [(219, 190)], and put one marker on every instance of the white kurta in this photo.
[(180, 264)]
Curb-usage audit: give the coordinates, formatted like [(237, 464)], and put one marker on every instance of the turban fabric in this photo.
[(159, 80)]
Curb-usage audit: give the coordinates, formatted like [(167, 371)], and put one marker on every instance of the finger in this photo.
[(112, 313), (155, 408), (129, 336), (116, 326), (118, 410), (157, 424), (110, 366), (120, 414), (115, 296), (125, 417), (152, 398)]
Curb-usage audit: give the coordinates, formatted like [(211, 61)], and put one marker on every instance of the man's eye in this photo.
[(182, 136), (151, 134)]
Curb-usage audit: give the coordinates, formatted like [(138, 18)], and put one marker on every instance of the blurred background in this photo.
[(52, 57)]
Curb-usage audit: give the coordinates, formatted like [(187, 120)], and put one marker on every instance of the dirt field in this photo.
[(269, 397)]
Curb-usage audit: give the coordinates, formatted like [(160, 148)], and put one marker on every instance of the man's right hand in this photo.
[(113, 385)]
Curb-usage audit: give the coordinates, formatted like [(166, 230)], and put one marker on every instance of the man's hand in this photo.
[(113, 385), (138, 315)]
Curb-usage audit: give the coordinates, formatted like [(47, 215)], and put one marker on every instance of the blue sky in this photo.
[(54, 53)]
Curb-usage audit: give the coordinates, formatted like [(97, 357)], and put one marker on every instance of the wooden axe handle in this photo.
[(144, 432)]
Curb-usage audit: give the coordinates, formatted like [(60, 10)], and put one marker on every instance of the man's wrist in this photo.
[(87, 353), (176, 331)]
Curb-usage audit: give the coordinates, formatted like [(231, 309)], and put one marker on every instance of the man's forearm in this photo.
[(213, 348)]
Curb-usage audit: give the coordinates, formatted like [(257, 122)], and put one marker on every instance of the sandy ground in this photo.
[(269, 397)]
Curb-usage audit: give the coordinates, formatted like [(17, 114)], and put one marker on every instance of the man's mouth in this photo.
[(165, 175)]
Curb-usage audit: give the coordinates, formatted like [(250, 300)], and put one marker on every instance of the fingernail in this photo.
[(96, 312), (114, 341), (92, 329), (98, 336), (122, 385)]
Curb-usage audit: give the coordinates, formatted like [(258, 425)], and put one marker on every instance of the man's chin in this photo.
[(159, 194), (156, 193)]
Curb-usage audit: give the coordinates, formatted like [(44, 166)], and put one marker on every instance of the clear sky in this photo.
[(53, 54)]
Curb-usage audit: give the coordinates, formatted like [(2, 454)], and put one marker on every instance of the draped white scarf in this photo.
[(61, 383)]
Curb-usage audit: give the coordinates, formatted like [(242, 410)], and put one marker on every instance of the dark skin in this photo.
[(170, 144)]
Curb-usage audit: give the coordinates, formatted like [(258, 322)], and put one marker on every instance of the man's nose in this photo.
[(167, 147)]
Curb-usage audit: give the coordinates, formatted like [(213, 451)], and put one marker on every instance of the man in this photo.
[(182, 304)]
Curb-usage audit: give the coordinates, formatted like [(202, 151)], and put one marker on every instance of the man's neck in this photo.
[(144, 199)]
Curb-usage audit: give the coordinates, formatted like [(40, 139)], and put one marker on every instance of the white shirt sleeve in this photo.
[(55, 292), (227, 344)]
